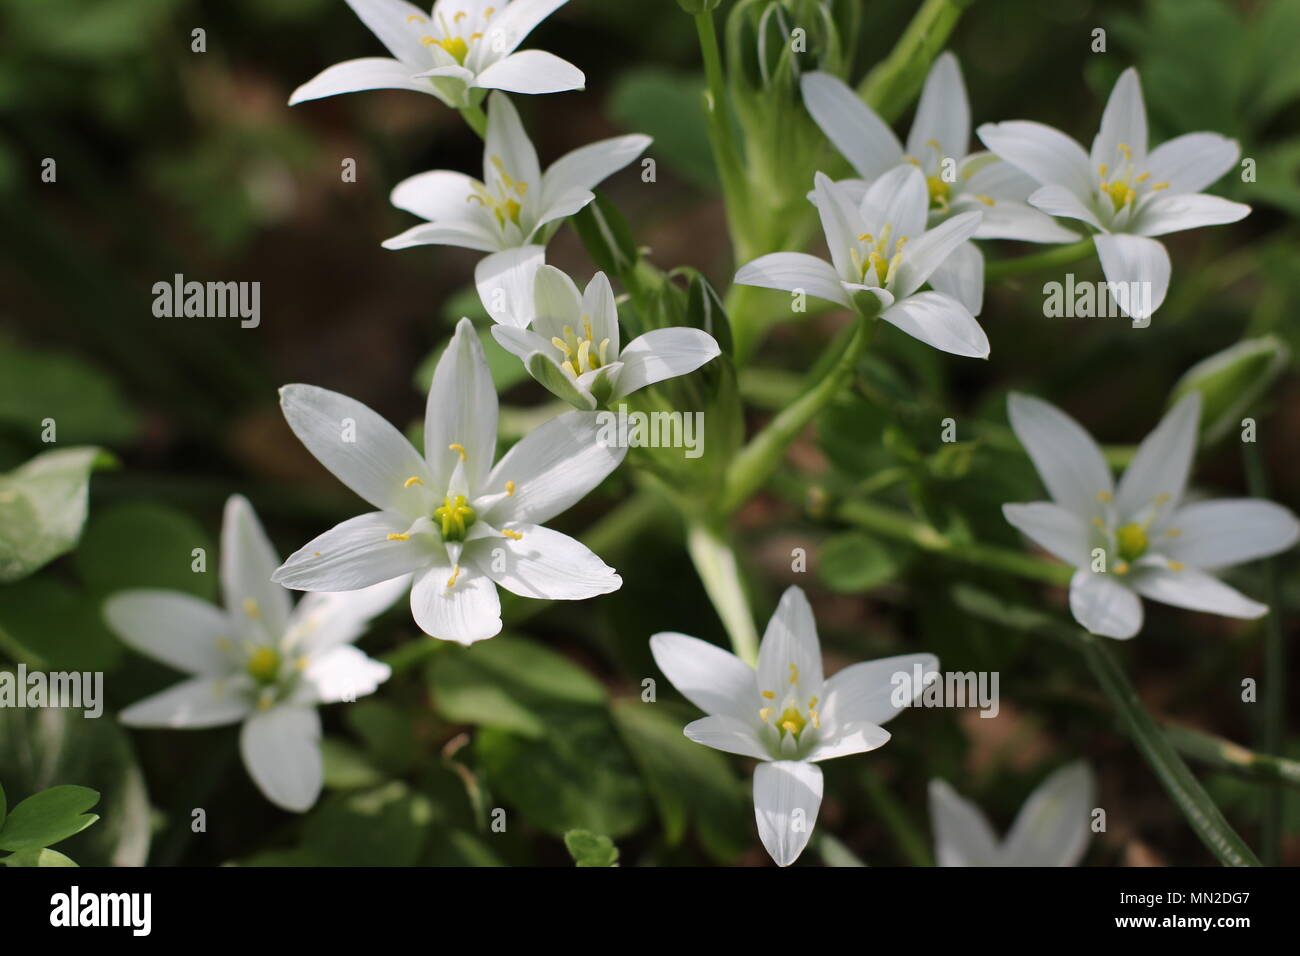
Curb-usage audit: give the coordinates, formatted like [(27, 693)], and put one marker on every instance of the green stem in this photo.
[(1272, 736), (715, 562), (1040, 261), (1222, 754), (476, 119), (757, 460), (895, 80), (725, 152)]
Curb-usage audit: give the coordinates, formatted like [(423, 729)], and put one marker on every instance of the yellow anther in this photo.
[(563, 346), (1162, 498), (413, 480), (512, 535), (1104, 496), (251, 608), (488, 12), (1123, 148), (765, 714), (789, 726), (1121, 568), (812, 702), (1174, 532), (510, 489), (1099, 523), (1160, 186), (455, 573), (399, 537), (816, 719), (933, 144), (265, 702), (458, 449), (456, 18), (794, 673), (769, 695), (301, 663), (1143, 178), (416, 18), (1177, 566), (428, 40), (1102, 170), (865, 237), (986, 200)]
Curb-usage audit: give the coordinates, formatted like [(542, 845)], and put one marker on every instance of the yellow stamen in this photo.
[(451, 581), (399, 537), (765, 714), (769, 695), (251, 608), (1104, 496), (264, 665), (456, 516), (413, 480), (1160, 186), (416, 18), (512, 535), (986, 200), (794, 674), (1121, 568), (458, 449), (510, 489), (1174, 532), (1177, 566)]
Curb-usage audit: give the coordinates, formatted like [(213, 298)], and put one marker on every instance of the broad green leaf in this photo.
[(669, 107), (141, 545), (386, 826), (346, 767), (852, 562), (58, 626), (590, 849), (387, 733), (42, 508), (45, 818), (77, 400), (38, 857)]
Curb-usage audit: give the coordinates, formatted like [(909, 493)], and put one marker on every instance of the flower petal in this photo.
[(200, 702), (962, 835), (439, 195), (789, 652), (532, 71), (852, 737), (864, 138), (178, 629), (552, 468), (1195, 591), (507, 145), (841, 222), (1104, 606), (360, 448), (505, 284), (344, 673), (1123, 125), (1056, 200), (518, 19), (390, 21), (354, 76), (1172, 212), (543, 564), (943, 113), (1053, 528), (1044, 153), (557, 303), (1159, 469), (325, 619), (464, 234), (1191, 162), (787, 798), (727, 734), (714, 680), (1012, 219), (961, 276), (1055, 823), (940, 321), (926, 253), (461, 411), (1067, 459), (247, 563), (584, 168), (900, 199), (1137, 272), (281, 749), (468, 611), (357, 554), (1228, 531), (795, 272), (662, 354), (869, 692)]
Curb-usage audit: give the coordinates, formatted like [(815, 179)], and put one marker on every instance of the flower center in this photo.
[(1124, 186), (505, 201), (873, 259), (1132, 541), (939, 189), (264, 665), (581, 354), (453, 41), (455, 516), (792, 719)]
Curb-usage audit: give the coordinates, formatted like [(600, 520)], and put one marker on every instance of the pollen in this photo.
[(768, 695), (1177, 566), (404, 536), (765, 715), (251, 608), (510, 489), (413, 480), (512, 535), (416, 18), (986, 200)]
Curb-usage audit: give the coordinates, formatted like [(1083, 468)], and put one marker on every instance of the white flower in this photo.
[(569, 340), (785, 714), (939, 137), (1121, 190), (257, 660), (882, 254), (516, 199), (1140, 538), (458, 49), (1052, 828), (460, 525)]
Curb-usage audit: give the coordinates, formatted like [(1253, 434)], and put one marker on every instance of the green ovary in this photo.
[(264, 665), (1132, 541), (455, 517)]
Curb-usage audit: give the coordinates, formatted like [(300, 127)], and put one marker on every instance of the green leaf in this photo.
[(47, 817), (386, 826), (346, 767), (42, 508), (83, 403), (1231, 381), (590, 849), (704, 310), (852, 563), (37, 857), (548, 374), (688, 782), (508, 682), (4, 807), (141, 545), (669, 107), (606, 236), (57, 626)]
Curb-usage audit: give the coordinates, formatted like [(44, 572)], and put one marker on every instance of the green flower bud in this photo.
[(1231, 381)]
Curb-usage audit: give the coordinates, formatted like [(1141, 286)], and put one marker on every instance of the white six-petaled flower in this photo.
[(257, 660), (882, 253), (516, 201), (1123, 191), (459, 524), (569, 340), (957, 181), (785, 713), (457, 50), (1052, 828), (1140, 538)]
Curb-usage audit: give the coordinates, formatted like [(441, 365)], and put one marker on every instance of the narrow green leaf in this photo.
[(606, 236)]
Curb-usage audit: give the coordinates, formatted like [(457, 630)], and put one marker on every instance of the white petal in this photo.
[(795, 272), (354, 76), (522, 342), (281, 749), (512, 24), (532, 71), (662, 354), (1172, 212), (1067, 459), (1124, 123), (1191, 162), (600, 307), (1104, 606), (714, 680), (1159, 469), (900, 199), (727, 734), (359, 447), (1054, 825), (940, 321), (1053, 528), (841, 222), (178, 629), (556, 303), (544, 564), (357, 554), (325, 619), (464, 234), (438, 195), (552, 467), (505, 284), (871, 692), (467, 611), (1221, 533), (943, 113), (851, 737), (389, 20), (925, 254), (787, 798), (1196, 591), (1137, 272), (864, 138), (1044, 153), (507, 142), (247, 563), (1058, 201), (789, 652), (962, 835), (344, 673), (590, 165), (461, 410), (1011, 219), (961, 276), (201, 702)]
